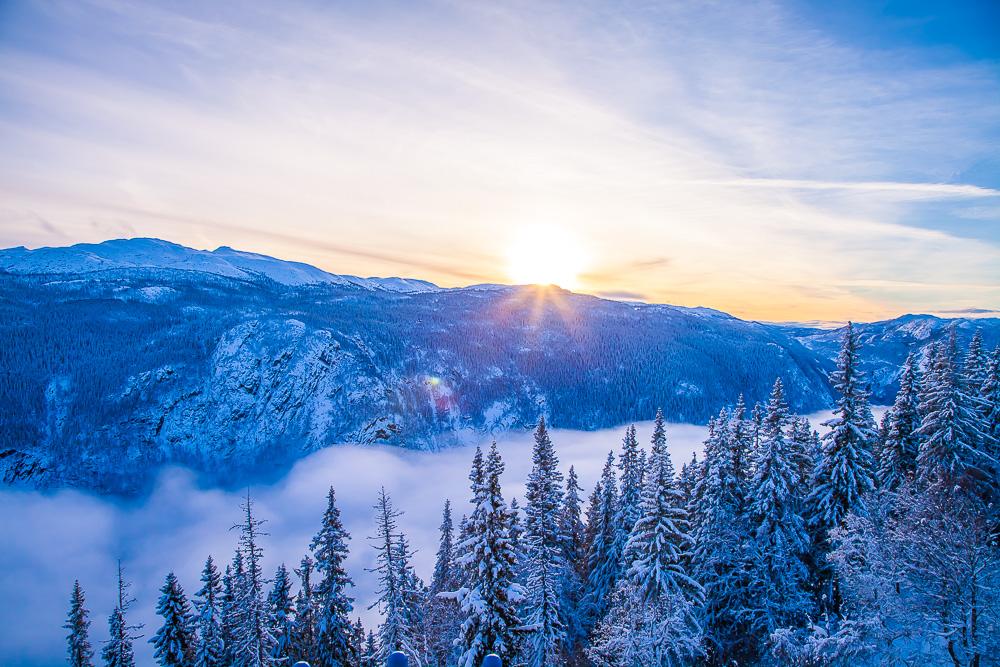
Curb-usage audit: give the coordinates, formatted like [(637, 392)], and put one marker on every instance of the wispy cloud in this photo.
[(421, 139)]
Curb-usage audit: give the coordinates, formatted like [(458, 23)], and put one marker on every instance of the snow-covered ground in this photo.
[(50, 539)]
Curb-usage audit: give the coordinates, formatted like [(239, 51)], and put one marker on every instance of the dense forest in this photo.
[(873, 544)]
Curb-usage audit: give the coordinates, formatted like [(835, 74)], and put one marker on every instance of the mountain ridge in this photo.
[(111, 373)]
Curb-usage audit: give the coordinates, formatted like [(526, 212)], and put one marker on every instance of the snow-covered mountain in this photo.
[(142, 253), (120, 357)]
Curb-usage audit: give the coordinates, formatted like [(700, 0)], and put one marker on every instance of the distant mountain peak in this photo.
[(152, 253)]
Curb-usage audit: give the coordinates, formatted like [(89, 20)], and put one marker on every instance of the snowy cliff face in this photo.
[(113, 367)]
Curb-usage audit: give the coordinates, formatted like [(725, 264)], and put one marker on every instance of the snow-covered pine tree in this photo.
[(397, 602), (778, 584), (719, 556), (687, 481), (991, 419), (208, 606), (490, 596), (174, 642), (281, 615), (252, 643), (574, 539), (652, 618), (232, 589), (630, 486), (332, 604), (544, 556), (118, 650), (741, 441), (844, 470), (659, 544), (78, 649), (975, 366), (804, 444), (358, 638), (602, 558), (898, 459), (441, 616), (370, 657), (952, 447), (304, 627)]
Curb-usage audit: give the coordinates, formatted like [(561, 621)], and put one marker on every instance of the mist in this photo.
[(53, 539)]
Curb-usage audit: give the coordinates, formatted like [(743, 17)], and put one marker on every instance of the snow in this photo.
[(149, 253)]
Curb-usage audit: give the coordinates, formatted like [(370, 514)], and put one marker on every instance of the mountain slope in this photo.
[(121, 357)]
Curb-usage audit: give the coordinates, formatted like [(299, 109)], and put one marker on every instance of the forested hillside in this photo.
[(873, 544)]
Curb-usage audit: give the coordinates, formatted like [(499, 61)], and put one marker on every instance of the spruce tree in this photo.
[(844, 470), (333, 605), (442, 614), (602, 559), (574, 544), (252, 643), (630, 488), (231, 590), (208, 605), (398, 600), (652, 618), (545, 562), (118, 650), (953, 443), (174, 642), (721, 535), (78, 649), (898, 459), (659, 544), (281, 615), (304, 628), (490, 597), (779, 581), (975, 366)]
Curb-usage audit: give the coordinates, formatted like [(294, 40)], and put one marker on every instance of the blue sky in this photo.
[(775, 160)]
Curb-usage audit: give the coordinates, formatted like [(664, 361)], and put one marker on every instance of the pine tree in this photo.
[(898, 459), (779, 580), (442, 615), (358, 641), (252, 643), (398, 600), (79, 652), (490, 597), (659, 543), (304, 630), (721, 535), (370, 658), (333, 625), (652, 618), (280, 611), (208, 604), (602, 559), (630, 475), (975, 366), (844, 470), (232, 588), (118, 650), (174, 642), (574, 545), (545, 563), (951, 430)]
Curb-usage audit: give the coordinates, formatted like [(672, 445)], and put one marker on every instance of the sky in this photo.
[(776, 160)]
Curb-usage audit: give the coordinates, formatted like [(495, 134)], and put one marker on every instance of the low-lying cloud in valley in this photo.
[(53, 539)]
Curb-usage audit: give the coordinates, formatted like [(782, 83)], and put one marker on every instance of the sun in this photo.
[(545, 256)]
